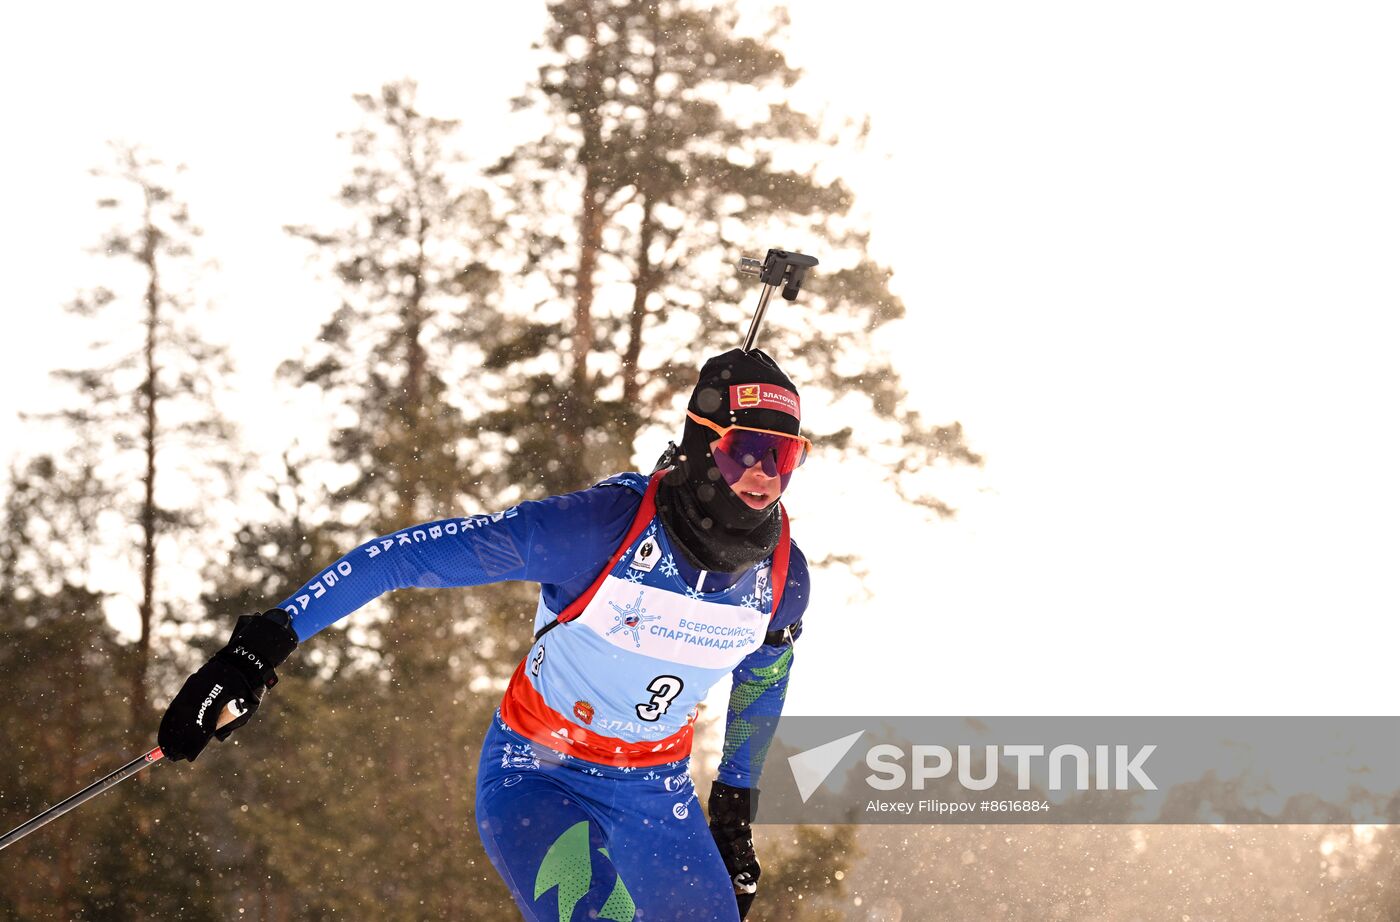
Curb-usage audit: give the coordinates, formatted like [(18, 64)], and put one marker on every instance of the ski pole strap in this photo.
[(781, 554), (645, 512)]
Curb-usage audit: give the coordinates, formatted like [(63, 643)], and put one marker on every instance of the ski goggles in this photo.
[(740, 448)]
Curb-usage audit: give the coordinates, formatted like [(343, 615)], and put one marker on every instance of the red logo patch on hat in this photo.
[(583, 711), (764, 397)]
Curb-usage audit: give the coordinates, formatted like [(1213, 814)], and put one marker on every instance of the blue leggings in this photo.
[(577, 840)]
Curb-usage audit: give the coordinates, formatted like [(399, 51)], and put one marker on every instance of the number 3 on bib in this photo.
[(664, 689)]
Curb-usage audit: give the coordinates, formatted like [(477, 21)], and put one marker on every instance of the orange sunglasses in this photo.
[(741, 447)]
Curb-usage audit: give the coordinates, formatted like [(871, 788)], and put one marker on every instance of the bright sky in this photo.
[(1148, 253)]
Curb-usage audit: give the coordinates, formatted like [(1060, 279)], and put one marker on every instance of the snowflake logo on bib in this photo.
[(631, 618), (668, 566)]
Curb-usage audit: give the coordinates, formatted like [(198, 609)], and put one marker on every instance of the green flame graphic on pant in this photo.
[(568, 866)]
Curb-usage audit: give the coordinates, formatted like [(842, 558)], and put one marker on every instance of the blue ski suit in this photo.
[(584, 799)]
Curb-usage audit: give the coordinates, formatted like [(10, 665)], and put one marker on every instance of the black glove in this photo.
[(730, 810), (240, 673)]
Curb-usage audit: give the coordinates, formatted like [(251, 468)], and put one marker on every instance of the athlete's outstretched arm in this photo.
[(552, 540), (547, 541)]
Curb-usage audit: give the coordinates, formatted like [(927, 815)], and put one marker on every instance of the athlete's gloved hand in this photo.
[(730, 810), (239, 673)]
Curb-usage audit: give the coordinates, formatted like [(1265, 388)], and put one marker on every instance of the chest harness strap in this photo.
[(645, 513)]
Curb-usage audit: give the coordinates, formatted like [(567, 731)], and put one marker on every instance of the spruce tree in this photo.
[(110, 858), (148, 401), (416, 294), (671, 134)]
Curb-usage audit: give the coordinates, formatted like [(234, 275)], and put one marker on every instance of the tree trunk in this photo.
[(646, 279), (70, 711), (591, 221), (417, 359), (141, 662), (590, 241), (644, 285), (411, 410)]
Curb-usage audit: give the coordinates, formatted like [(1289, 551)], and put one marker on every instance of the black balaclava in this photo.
[(706, 520)]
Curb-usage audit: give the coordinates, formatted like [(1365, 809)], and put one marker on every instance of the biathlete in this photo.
[(651, 590)]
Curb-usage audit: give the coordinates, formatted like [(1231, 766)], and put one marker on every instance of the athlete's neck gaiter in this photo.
[(712, 526)]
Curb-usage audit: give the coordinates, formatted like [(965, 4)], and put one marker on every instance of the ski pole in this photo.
[(230, 713), (779, 269)]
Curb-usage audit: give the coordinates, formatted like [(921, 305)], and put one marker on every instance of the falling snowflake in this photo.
[(668, 566)]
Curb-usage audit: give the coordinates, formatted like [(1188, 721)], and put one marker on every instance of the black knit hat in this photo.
[(742, 388), (711, 526)]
